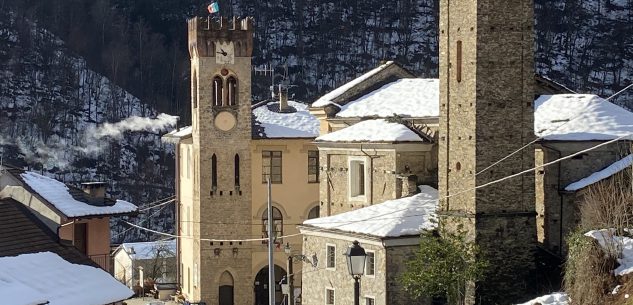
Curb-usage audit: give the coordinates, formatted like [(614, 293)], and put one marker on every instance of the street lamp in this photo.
[(290, 277), (356, 266)]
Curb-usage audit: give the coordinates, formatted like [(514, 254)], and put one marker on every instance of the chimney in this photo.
[(283, 99), (95, 192), (409, 185)]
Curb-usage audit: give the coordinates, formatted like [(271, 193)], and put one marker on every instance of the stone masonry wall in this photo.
[(397, 258)]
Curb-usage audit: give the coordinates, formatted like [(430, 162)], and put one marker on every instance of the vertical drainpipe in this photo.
[(177, 214)]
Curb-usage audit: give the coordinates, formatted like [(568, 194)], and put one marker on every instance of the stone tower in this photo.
[(220, 54), (486, 81)]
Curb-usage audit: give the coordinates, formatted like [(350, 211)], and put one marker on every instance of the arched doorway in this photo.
[(261, 286), (225, 294)]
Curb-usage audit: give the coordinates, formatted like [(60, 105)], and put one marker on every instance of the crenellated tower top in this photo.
[(205, 32)]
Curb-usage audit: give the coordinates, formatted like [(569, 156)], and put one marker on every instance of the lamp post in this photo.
[(356, 266)]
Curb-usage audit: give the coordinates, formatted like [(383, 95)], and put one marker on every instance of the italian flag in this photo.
[(213, 8)]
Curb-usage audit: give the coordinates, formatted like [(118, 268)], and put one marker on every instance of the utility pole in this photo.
[(271, 239)]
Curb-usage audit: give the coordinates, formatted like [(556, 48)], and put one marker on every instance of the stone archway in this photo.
[(261, 285)]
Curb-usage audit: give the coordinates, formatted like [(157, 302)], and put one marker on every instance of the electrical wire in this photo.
[(158, 205)]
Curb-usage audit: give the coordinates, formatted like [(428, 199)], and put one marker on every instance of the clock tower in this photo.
[(220, 52)]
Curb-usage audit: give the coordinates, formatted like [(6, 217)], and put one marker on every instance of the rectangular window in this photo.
[(459, 61), (271, 166), (313, 166), (189, 280), (329, 296), (370, 301), (331, 256), (188, 220), (357, 178), (370, 264), (195, 274)]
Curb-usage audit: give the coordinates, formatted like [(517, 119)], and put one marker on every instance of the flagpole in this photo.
[(271, 263)]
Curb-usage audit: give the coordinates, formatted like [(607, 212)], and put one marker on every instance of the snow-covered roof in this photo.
[(274, 124), (609, 241), (558, 298), (393, 218), (40, 277), (407, 97), (601, 175), (327, 99), (150, 249), (177, 134), (580, 117), (58, 194), (378, 130)]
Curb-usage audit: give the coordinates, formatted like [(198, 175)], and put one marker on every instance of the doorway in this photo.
[(261, 286), (225, 294)]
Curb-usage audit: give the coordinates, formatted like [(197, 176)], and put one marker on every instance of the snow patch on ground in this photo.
[(558, 298), (372, 131), (620, 246), (407, 97), (33, 278), (392, 218), (57, 193), (603, 174)]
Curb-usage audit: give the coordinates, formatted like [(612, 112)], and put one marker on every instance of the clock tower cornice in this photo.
[(205, 32)]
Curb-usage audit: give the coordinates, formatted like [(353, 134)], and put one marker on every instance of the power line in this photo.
[(158, 205)]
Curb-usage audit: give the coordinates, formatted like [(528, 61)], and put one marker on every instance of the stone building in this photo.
[(390, 233), (222, 164)]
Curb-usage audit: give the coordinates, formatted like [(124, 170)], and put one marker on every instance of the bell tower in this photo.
[(486, 114), (220, 52)]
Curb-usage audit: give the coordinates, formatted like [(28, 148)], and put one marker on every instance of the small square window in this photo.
[(331, 256), (370, 301), (329, 296)]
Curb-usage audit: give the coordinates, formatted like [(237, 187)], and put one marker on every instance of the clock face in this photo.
[(224, 52), (225, 121)]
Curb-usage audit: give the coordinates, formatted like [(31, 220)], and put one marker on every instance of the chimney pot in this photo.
[(95, 191)]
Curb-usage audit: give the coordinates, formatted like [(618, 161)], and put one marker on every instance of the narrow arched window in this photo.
[(225, 293), (237, 170), (217, 91), (278, 224), (214, 172), (232, 87)]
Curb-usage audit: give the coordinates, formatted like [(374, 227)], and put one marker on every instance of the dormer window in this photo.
[(232, 90), (217, 91)]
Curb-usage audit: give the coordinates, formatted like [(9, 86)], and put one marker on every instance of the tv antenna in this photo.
[(283, 84)]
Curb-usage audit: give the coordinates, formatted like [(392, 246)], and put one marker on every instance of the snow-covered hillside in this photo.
[(52, 107)]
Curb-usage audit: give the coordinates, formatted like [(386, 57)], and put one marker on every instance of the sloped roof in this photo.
[(407, 97), (21, 233), (330, 96), (45, 276), (376, 131), (394, 218), (297, 122), (150, 249), (607, 172), (580, 117), (175, 135), (68, 200)]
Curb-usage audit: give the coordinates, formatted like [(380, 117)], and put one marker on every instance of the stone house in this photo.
[(390, 233), (78, 215), (158, 259), (222, 164)]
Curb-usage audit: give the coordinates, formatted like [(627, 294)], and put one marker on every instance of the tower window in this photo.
[(232, 90), (278, 224), (217, 91), (271, 166), (237, 170), (313, 166), (459, 61), (214, 172)]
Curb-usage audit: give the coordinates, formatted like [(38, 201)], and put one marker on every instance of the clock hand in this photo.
[(222, 52)]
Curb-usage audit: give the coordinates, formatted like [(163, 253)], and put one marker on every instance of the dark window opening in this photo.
[(314, 212), (459, 61), (214, 172), (217, 91), (237, 170), (232, 90)]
